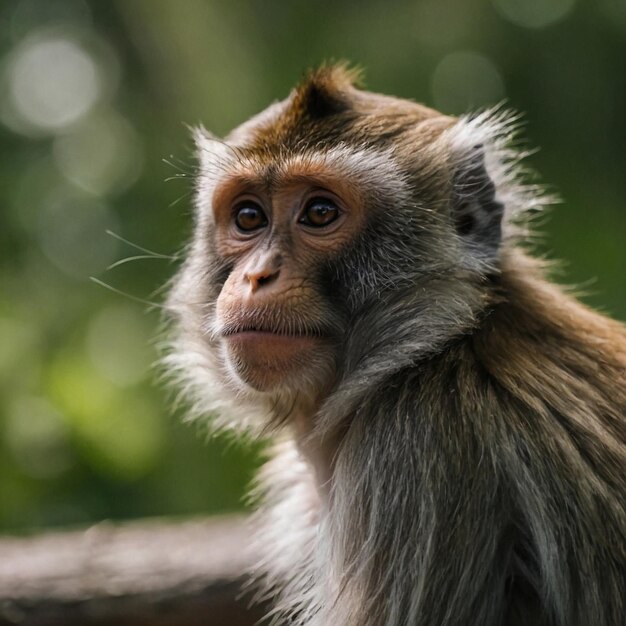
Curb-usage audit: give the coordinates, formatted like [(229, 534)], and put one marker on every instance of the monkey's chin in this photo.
[(269, 361)]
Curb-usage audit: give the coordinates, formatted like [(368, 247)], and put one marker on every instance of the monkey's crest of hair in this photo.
[(324, 91), (451, 436)]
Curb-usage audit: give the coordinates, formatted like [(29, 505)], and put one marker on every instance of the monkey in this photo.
[(447, 424)]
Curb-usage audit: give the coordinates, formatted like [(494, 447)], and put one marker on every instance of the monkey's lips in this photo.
[(269, 349)]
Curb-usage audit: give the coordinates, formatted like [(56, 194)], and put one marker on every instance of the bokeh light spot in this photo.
[(52, 82), (466, 80), (101, 155), (123, 433), (534, 13)]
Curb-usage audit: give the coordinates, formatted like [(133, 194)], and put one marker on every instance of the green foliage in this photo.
[(93, 95)]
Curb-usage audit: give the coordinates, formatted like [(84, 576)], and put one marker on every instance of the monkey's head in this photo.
[(325, 227)]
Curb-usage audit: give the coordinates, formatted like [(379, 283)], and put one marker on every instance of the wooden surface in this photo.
[(149, 573)]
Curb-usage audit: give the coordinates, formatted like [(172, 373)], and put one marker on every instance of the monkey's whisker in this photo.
[(180, 199), (138, 257), (128, 295), (152, 253), (176, 166)]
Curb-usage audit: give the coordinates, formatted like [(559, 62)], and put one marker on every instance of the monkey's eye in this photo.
[(249, 216), (319, 212)]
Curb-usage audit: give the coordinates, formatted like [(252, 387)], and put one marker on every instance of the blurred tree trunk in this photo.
[(149, 573)]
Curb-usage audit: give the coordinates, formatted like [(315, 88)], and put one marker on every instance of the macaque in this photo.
[(449, 426)]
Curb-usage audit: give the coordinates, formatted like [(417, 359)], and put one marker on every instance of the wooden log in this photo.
[(147, 573)]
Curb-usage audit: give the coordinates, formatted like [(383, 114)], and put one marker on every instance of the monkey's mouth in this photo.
[(272, 351), (269, 336), (279, 331), (275, 332), (268, 345)]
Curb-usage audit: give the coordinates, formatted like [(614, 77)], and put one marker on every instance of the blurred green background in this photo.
[(94, 101)]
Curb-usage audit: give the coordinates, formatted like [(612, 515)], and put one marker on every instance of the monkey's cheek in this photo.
[(267, 361)]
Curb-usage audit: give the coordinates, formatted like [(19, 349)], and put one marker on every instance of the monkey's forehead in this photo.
[(327, 108)]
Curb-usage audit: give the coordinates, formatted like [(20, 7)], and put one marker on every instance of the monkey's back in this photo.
[(543, 383), (508, 490)]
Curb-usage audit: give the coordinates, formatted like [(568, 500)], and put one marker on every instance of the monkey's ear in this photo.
[(201, 135), (492, 194), (476, 210), (210, 149), (214, 156)]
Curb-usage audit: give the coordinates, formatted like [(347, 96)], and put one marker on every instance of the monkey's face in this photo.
[(275, 324), (335, 229)]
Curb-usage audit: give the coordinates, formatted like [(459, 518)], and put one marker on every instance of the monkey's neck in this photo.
[(317, 450)]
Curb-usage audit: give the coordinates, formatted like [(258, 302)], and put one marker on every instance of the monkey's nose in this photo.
[(261, 278)]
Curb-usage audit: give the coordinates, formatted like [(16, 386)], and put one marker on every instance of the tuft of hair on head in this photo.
[(324, 90)]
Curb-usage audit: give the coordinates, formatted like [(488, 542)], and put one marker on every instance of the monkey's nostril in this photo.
[(264, 280), (261, 279)]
